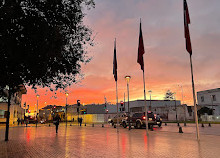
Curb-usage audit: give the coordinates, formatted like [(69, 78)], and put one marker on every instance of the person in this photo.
[(18, 121), (80, 121), (26, 121), (57, 122), (73, 119)]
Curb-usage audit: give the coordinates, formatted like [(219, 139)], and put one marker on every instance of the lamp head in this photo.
[(67, 94), (128, 78)]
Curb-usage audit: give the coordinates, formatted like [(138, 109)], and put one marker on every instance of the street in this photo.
[(88, 141)]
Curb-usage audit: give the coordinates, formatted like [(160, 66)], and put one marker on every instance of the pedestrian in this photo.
[(18, 120), (26, 121), (73, 119), (80, 121), (57, 122)]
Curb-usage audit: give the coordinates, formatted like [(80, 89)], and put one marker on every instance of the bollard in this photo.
[(85, 124), (49, 124), (178, 124), (184, 123), (180, 130), (114, 126), (93, 125), (151, 128), (102, 125), (209, 124), (202, 125), (165, 124)]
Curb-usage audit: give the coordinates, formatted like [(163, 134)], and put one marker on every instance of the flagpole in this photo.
[(145, 104), (117, 104), (194, 101)]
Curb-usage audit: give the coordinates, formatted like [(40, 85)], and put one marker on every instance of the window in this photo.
[(2, 113), (213, 97), (202, 98)]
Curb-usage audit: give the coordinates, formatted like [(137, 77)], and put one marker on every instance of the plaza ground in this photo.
[(88, 141)]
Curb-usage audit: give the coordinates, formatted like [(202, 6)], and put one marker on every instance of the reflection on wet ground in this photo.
[(89, 141)]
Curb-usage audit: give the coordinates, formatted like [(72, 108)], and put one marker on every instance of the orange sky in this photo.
[(166, 60)]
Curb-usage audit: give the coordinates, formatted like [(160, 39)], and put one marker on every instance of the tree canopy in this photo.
[(42, 42), (169, 95)]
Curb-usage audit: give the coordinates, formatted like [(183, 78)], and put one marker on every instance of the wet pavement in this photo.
[(74, 141)]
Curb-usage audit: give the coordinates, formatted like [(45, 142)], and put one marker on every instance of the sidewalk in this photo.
[(93, 142)]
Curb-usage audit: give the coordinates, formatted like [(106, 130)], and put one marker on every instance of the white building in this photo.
[(211, 99), (16, 110), (168, 109)]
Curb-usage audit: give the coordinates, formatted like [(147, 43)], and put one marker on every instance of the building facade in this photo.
[(16, 109), (210, 99), (168, 109)]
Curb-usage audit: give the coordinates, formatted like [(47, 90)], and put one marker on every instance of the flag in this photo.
[(141, 52), (186, 27), (115, 63)]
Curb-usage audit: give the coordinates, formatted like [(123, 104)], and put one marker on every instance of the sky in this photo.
[(167, 65)]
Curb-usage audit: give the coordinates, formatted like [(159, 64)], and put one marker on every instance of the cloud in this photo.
[(166, 60)]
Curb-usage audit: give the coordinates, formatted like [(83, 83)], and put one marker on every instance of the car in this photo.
[(43, 121), (158, 120), (138, 120), (121, 116)]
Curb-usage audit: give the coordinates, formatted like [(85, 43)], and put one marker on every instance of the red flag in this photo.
[(115, 63), (141, 51), (186, 27)]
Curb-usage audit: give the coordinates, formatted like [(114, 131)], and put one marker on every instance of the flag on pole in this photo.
[(141, 51), (186, 28), (115, 63)]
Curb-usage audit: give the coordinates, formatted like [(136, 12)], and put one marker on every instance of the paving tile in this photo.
[(98, 142)]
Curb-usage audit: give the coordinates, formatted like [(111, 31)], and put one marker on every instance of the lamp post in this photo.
[(128, 79), (37, 109), (183, 105), (66, 106), (150, 91), (212, 103), (175, 106)]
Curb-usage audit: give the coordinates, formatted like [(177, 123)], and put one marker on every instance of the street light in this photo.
[(183, 105), (175, 105), (150, 91), (212, 103), (37, 108), (66, 106), (128, 79)]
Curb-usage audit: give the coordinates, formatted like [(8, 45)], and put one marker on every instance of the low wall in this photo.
[(92, 118), (210, 118)]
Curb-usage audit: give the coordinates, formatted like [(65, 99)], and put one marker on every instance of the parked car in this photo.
[(43, 121), (121, 116), (138, 120)]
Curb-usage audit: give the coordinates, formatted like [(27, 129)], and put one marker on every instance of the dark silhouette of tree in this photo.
[(204, 110), (42, 42), (169, 95)]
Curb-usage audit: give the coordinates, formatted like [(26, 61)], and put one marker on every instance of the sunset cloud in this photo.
[(166, 60)]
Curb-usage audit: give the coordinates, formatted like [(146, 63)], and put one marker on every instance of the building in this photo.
[(211, 100), (168, 109), (50, 111), (16, 109), (101, 108)]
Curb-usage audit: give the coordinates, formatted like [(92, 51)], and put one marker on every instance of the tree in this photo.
[(205, 110), (42, 43), (169, 95)]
